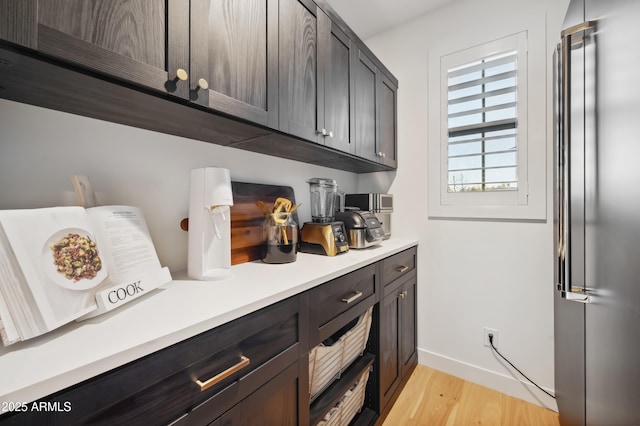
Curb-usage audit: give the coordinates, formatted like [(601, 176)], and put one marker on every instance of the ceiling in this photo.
[(370, 17)]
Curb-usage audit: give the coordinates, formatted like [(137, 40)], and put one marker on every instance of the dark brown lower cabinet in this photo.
[(397, 351), (267, 353), (213, 371), (275, 403)]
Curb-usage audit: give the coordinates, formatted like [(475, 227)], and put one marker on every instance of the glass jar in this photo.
[(281, 231)]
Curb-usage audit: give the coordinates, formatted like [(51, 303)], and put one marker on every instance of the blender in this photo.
[(323, 235)]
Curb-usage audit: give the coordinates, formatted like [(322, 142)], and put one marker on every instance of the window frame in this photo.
[(515, 204)]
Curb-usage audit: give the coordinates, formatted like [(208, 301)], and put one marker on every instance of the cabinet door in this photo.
[(298, 58), (338, 55), (141, 41), (390, 368), (366, 114), (275, 403), (408, 351), (388, 122), (376, 113), (398, 353), (18, 22), (234, 58)]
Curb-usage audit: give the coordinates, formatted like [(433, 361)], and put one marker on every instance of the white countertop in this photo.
[(176, 311)]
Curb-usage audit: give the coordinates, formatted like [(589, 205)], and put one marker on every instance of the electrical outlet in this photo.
[(488, 331)]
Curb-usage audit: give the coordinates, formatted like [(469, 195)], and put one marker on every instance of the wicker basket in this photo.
[(326, 363), (350, 404)]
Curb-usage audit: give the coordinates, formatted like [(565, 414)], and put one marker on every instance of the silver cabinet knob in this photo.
[(324, 133), (381, 154)]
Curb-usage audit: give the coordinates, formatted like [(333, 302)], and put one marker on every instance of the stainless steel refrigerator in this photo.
[(597, 179)]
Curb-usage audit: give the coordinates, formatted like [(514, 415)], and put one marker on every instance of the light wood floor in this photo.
[(434, 398)]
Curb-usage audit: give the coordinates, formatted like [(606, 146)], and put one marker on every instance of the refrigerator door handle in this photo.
[(577, 29), (568, 291)]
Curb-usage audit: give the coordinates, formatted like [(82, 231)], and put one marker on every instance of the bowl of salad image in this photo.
[(71, 259)]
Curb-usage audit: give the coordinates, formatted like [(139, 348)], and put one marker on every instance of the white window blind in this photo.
[(482, 122)]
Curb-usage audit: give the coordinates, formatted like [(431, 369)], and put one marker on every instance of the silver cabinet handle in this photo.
[(381, 154), (403, 294), (356, 295), (330, 134), (244, 361), (564, 163), (402, 268)]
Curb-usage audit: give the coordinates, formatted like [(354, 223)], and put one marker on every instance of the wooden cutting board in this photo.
[(247, 218)]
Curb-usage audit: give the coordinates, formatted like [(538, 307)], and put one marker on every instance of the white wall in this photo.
[(40, 149), (472, 274)]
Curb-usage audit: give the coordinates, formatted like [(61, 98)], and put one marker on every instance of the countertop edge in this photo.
[(26, 366)]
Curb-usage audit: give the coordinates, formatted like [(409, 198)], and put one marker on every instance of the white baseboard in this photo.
[(504, 383)]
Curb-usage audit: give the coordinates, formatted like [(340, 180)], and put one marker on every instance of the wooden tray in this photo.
[(246, 218)]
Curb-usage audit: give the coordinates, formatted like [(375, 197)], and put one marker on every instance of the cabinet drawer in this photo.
[(330, 302), (161, 387), (398, 265)]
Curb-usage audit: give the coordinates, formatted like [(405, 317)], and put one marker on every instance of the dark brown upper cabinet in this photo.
[(338, 55), (317, 61), (375, 113), (388, 128), (267, 76), (300, 102), (366, 108), (376, 129), (234, 58), (140, 41)]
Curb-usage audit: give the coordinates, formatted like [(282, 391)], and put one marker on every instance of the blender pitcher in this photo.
[(323, 199)]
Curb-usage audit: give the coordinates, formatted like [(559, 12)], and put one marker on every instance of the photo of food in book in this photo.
[(76, 257), (72, 259), (56, 263)]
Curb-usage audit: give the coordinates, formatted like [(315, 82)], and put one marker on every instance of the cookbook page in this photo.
[(56, 264), (124, 231)]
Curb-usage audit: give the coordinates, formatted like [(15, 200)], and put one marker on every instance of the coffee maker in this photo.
[(323, 235)]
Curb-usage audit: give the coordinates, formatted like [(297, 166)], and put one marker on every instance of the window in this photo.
[(482, 125), (482, 140)]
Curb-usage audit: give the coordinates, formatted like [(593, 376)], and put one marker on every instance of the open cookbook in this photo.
[(62, 264)]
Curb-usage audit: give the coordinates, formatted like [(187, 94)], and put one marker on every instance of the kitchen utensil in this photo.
[(264, 207), (282, 205), (294, 208), (281, 238), (248, 238), (281, 214)]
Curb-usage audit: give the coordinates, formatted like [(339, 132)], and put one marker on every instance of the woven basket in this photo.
[(350, 404), (326, 363)]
